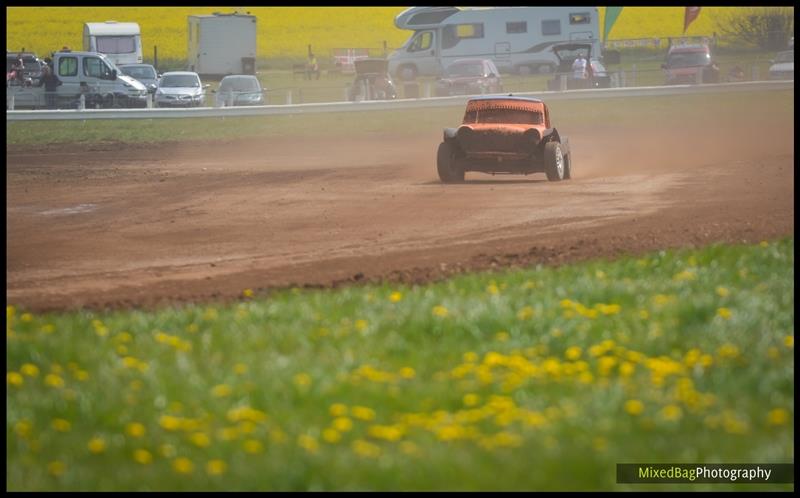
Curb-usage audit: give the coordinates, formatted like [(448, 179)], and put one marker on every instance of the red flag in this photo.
[(690, 15)]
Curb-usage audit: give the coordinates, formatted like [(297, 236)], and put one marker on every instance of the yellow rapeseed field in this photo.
[(286, 31)]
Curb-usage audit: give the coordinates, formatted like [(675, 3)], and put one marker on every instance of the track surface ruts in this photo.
[(122, 226)]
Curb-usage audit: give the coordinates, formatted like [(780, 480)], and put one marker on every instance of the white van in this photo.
[(121, 42), (516, 39)]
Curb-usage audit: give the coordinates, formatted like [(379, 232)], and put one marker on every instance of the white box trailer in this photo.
[(516, 39), (121, 42), (222, 44)]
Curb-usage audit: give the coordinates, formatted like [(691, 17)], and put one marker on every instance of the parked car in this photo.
[(180, 89), (239, 89), (782, 67), (469, 77), (690, 64), (566, 53), (143, 73), (504, 135), (372, 81)]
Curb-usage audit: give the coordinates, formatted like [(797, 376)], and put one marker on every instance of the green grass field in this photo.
[(542, 378), (671, 110)]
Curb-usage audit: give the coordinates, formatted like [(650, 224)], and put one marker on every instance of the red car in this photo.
[(512, 135), (469, 77)]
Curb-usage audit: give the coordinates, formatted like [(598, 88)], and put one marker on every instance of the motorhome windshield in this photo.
[(688, 59), (473, 69), (116, 44), (139, 72), (506, 116), (180, 81)]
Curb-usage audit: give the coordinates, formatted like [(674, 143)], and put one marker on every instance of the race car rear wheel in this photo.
[(446, 166), (568, 166), (553, 161)]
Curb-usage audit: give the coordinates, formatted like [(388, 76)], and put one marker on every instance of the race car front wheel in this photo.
[(446, 166), (553, 161)]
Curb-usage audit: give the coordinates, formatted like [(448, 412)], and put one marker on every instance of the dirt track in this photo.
[(116, 226)]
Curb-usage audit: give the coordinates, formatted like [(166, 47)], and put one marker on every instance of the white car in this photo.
[(782, 67), (180, 89), (239, 89)]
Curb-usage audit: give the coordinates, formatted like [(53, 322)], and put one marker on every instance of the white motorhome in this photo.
[(222, 44), (517, 39), (121, 42)]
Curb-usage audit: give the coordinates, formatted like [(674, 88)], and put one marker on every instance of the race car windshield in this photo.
[(180, 81), (465, 70), (688, 59), (503, 116)]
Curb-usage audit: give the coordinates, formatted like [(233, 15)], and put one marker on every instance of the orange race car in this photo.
[(504, 134)]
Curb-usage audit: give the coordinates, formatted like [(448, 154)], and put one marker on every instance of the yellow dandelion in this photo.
[(763, 243), (14, 379), (470, 357), (626, 369), (407, 373), (96, 445), (277, 436), (308, 443), (440, 311), (337, 410), (54, 380), (728, 351), (492, 289), (26, 317), (216, 467), (671, 412), (81, 375), (724, 313), (253, 446), (55, 468), (342, 424), (684, 276), (634, 407), (302, 380), (182, 465), (240, 369), (722, 291), (247, 293), (525, 313), (361, 325), (788, 341), (135, 429), (221, 390), (61, 425), (23, 428), (778, 416), (363, 413), (331, 435), (395, 297), (169, 422), (365, 448), (142, 457), (200, 439), (48, 328), (29, 369), (644, 315), (471, 399), (573, 353)]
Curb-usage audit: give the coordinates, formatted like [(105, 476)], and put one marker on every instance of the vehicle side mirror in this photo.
[(158, 75), (113, 75)]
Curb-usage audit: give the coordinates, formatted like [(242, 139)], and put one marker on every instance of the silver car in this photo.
[(782, 67), (239, 89), (143, 73), (180, 89)]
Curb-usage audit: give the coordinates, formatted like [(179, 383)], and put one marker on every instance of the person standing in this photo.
[(51, 83)]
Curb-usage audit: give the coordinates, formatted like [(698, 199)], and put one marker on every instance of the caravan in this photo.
[(516, 39), (121, 42)]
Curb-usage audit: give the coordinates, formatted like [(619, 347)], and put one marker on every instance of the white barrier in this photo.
[(382, 105)]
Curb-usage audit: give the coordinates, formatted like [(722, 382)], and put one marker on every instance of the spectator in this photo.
[(312, 68), (17, 72), (579, 68), (51, 83)]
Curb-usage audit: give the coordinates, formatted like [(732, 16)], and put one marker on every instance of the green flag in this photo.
[(612, 13)]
